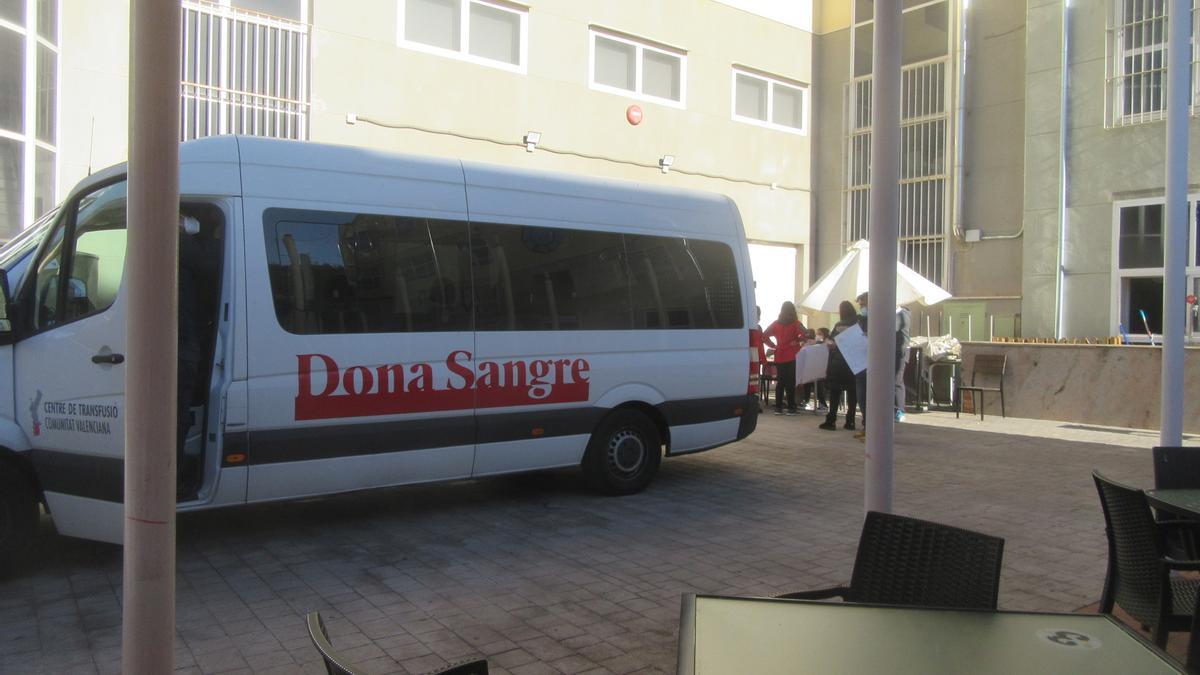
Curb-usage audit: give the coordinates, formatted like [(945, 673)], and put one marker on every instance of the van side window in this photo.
[(544, 278), (683, 283), (94, 261), (334, 272)]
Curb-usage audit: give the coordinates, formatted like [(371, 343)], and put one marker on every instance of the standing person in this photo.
[(784, 335), (860, 379), (903, 320), (838, 377)]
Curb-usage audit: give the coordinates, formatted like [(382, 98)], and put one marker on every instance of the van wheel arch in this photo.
[(656, 416), (20, 462), (624, 451)]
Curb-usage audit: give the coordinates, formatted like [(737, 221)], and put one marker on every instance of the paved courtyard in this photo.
[(542, 576)]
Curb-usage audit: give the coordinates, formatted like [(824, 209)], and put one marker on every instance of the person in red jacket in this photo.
[(785, 335)]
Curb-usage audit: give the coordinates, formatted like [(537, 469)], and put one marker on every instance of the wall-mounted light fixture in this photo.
[(666, 162), (531, 140)]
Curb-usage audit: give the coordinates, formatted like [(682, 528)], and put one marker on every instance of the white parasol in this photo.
[(848, 278)]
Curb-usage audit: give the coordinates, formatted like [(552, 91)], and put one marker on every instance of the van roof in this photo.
[(498, 192)]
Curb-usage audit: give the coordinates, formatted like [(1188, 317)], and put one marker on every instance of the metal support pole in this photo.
[(1064, 178), (1179, 14), (885, 209), (148, 620)]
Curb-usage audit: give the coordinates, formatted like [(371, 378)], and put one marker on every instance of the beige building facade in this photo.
[(1036, 199), (699, 94), (1047, 218)]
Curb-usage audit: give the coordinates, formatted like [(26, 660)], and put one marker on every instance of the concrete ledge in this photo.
[(1108, 385)]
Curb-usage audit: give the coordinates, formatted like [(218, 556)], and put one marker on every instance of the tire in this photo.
[(18, 517), (623, 454)]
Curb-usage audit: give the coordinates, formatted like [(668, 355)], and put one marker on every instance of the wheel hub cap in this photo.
[(626, 451)]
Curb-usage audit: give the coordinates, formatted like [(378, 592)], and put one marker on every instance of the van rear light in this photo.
[(755, 344)]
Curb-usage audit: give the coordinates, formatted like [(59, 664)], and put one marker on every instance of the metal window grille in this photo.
[(925, 143), (1137, 61), (242, 73)]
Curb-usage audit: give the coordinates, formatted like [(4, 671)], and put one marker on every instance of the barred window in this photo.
[(926, 140), (243, 69), (1137, 77)]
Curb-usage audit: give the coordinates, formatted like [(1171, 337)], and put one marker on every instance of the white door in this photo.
[(69, 365)]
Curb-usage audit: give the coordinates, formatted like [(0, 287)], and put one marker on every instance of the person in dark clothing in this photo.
[(860, 379), (194, 268), (838, 377), (903, 320)]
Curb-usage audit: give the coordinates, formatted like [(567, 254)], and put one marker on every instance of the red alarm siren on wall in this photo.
[(633, 114)]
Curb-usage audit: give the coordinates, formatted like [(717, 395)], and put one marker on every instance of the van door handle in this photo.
[(109, 358)]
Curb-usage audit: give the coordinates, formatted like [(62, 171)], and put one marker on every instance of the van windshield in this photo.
[(15, 255)]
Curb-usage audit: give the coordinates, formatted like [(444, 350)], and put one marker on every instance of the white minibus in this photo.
[(359, 319)]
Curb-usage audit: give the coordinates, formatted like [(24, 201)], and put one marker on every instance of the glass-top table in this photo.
[(1181, 502), (761, 635)]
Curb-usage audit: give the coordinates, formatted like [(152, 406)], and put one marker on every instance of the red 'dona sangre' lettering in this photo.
[(326, 390)]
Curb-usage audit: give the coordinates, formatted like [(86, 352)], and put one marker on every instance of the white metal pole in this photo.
[(148, 620), (1064, 177), (1179, 15), (885, 202)]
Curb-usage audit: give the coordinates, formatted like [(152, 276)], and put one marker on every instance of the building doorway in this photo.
[(774, 270)]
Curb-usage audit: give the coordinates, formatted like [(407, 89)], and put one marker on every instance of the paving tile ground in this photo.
[(542, 576)]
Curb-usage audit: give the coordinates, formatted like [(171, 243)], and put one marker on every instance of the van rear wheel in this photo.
[(623, 454), (18, 516)]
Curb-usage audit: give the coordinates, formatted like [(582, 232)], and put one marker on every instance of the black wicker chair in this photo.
[(335, 665), (1176, 468), (1139, 575), (905, 561)]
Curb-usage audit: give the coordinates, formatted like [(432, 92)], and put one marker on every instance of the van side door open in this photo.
[(69, 372)]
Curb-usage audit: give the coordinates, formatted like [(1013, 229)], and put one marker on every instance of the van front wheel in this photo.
[(18, 516), (623, 454)]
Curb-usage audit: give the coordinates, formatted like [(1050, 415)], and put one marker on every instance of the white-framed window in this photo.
[(1139, 235), (770, 101), (1137, 65), (29, 75), (629, 66), (480, 31)]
